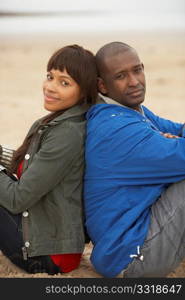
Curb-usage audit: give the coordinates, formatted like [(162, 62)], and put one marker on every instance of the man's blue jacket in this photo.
[(129, 163)]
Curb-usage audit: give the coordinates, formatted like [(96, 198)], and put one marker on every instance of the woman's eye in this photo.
[(49, 77), (64, 83)]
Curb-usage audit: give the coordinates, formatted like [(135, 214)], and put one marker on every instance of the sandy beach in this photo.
[(23, 68)]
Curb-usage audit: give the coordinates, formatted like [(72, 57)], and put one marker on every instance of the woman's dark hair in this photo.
[(80, 65)]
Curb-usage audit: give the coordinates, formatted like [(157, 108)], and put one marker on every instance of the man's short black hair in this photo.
[(108, 50)]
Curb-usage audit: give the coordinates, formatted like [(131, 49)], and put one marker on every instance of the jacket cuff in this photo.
[(6, 155), (2, 168)]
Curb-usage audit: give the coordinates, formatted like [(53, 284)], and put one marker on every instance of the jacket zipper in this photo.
[(25, 227), (25, 237)]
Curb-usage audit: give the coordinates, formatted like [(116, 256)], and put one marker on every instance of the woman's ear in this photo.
[(101, 86)]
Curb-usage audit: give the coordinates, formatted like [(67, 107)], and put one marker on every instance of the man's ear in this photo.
[(101, 86)]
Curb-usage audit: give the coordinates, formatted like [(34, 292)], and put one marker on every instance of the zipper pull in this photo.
[(25, 254)]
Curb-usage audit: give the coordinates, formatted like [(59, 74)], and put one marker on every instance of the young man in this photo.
[(135, 170)]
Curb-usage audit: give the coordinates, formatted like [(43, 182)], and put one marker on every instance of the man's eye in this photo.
[(120, 76), (138, 70)]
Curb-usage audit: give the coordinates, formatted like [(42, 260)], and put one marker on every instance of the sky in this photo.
[(138, 6)]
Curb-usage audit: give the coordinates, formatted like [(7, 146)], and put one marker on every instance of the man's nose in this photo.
[(132, 80)]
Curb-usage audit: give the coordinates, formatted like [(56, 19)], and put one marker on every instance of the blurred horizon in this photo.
[(33, 16)]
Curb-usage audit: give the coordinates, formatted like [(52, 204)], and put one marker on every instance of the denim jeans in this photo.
[(11, 243)]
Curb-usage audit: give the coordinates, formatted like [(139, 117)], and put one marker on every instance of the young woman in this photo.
[(41, 208)]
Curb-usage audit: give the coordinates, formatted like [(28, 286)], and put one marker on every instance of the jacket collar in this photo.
[(77, 110), (111, 101)]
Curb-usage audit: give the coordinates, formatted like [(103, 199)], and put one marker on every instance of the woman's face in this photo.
[(60, 91)]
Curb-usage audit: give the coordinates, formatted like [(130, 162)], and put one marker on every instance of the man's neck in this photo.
[(111, 101)]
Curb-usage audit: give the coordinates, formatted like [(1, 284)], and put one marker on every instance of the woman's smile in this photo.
[(49, 98)]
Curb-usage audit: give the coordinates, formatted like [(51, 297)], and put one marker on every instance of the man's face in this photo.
[(123, 79)]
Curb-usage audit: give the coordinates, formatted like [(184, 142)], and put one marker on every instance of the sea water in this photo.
[(90, 23)]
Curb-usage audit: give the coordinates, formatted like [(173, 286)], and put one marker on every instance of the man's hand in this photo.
[(169, 135)]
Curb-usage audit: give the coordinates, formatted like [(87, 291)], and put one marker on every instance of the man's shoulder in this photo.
[(109, 111), (109, 120), (102, 112)]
